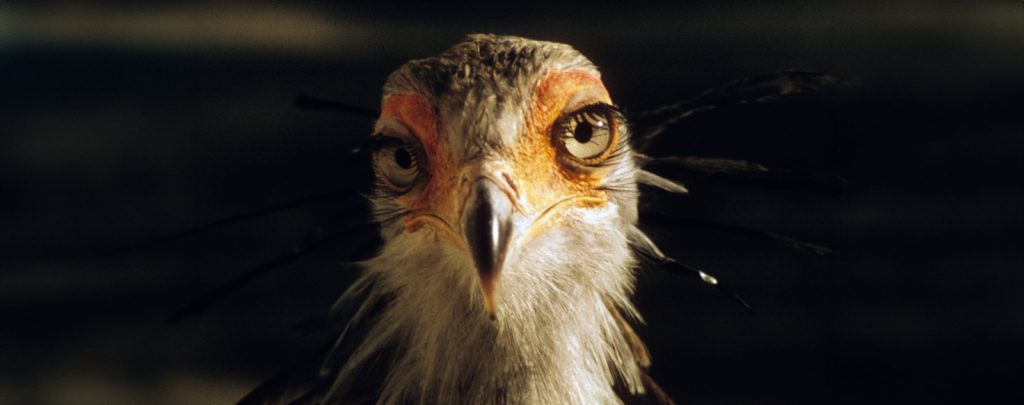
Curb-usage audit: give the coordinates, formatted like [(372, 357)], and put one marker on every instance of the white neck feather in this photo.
[(554, 341)]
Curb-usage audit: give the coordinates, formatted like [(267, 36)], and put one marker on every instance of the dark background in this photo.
[(119, 124)]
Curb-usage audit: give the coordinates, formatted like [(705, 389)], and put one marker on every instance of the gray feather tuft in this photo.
[(651, 179)]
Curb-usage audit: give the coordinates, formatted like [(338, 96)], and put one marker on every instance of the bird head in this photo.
[(501, 166)]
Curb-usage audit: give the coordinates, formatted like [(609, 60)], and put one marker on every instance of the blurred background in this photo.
[(123, 123)]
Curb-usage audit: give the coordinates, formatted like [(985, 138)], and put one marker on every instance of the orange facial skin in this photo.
[(538, 152), (431, 201), (541, 183)]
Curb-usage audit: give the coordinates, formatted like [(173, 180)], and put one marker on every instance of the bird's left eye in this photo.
[(397, 163), (588, 133)]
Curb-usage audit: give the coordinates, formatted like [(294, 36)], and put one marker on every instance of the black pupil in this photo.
[(584, 131), (403, 158)]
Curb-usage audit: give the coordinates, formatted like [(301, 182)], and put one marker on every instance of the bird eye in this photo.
[(396, 161), (588, 133)]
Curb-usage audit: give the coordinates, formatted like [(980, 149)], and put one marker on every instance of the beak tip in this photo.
[(490, 299)]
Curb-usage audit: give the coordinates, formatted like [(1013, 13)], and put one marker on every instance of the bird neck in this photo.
[(553, 341)]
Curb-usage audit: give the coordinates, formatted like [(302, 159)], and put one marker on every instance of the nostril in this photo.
[(511, 184)]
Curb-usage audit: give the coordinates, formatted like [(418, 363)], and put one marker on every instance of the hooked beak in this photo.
[(487, 228)]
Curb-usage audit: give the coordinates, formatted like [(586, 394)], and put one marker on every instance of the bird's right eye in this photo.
[(397, 162)]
